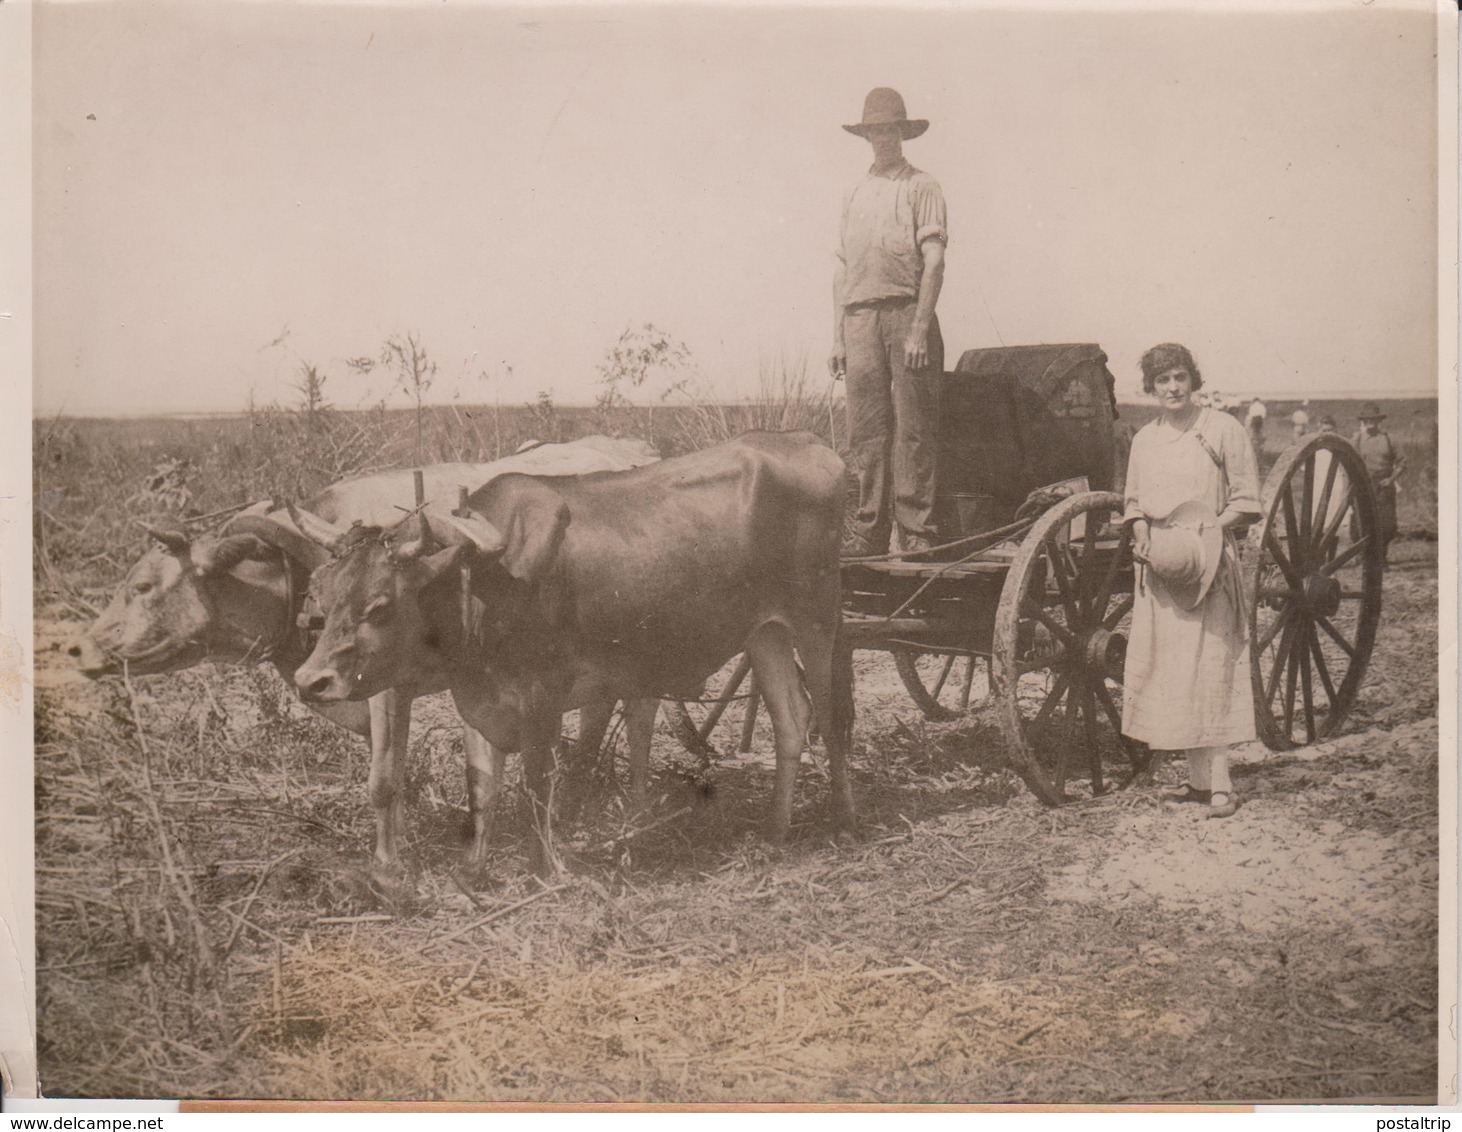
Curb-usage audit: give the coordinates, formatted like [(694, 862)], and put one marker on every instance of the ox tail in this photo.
[(841, 723)]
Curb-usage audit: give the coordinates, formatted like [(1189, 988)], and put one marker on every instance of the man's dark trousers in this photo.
[(894, 415)]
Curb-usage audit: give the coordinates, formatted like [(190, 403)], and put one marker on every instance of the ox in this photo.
[(621, 584), (236, 598)]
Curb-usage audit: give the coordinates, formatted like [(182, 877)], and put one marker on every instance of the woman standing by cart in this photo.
[(1191, 479)]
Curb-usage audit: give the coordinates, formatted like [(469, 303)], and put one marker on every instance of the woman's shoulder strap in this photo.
[(1209, 444)]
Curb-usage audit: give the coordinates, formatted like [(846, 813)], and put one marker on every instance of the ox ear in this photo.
[(222, 554), (535, 532)]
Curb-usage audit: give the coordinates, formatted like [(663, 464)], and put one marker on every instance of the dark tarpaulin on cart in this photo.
[(1014, 418)]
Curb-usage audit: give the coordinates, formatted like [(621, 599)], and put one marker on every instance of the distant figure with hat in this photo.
[(1191, 479), (1384, 462), (886, 338)]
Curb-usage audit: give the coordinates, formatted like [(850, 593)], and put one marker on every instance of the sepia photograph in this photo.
[(668, 553)]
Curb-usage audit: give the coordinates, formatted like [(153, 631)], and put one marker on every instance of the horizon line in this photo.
[(1131, 402)]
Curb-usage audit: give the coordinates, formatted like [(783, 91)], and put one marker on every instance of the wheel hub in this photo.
[(1035, 641), (1322, 595), (1106, 652)]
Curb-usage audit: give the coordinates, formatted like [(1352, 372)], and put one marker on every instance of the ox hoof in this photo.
[(550, 868), (774, 835), (394, 886), (473, 876)]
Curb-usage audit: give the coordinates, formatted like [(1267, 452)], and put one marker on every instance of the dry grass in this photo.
[(207, 926), (931, 961)]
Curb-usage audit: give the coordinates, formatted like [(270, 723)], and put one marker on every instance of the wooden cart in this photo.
[(1025, 609)]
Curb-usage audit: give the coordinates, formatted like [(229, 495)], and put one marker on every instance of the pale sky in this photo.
[(519, 185)]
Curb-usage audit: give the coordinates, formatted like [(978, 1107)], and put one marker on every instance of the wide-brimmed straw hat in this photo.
[(1370, 411), (1184, 551), (884, 106)]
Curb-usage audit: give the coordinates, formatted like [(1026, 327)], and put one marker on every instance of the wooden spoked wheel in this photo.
[(940, 683), (1315, 569), (1060, 646), (729, 701)]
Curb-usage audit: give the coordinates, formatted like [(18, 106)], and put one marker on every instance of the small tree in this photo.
[(311, 387), (545, 416), (414, 373), (640, 355)]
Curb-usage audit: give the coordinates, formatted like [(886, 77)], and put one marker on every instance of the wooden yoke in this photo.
[(419, 483), (462, 512)]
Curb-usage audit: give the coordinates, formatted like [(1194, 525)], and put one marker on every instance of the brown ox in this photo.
[(623, 584), (235, 597)]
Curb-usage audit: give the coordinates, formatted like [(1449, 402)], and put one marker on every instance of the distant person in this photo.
[(886, 338), (1384, 463), (1300, 419), (1257, 412)]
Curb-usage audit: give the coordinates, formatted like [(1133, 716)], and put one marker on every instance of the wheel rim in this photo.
[(942, 684), (722, 718), (1315, 585), (1060, 643)]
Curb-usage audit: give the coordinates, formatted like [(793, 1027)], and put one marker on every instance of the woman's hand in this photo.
[(1141, 540), (1231, 519)]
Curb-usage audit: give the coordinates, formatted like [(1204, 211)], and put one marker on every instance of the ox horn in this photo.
[(468, 531), (465, 527), (171, 535), (314, 528), (263, 507), (309, 552), (417, 538)]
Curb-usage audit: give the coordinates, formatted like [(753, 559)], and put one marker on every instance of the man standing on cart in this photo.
[(886, 338)]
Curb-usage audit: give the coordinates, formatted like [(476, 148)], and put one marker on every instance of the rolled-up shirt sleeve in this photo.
[(1132, 493), (931, 221), (1241, 469)]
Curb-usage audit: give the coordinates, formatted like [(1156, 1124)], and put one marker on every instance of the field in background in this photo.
[(95, 476), (1411, 424), (206, 926)]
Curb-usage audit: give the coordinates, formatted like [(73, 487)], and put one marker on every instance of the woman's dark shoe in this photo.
[(1222, 805), (1186, 793)]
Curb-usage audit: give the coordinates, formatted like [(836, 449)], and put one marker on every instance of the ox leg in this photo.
[(639, 725), (780, 683), (593, 726), (539, 772), (828, 670), (485, 765), (390, 727)]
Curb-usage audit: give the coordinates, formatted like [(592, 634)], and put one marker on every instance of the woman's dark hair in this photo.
[(1168, 356)]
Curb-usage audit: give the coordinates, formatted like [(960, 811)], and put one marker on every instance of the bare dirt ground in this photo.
[(206, 927)]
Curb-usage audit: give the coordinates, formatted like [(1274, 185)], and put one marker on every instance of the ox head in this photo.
[(190, 598), (392, 598)]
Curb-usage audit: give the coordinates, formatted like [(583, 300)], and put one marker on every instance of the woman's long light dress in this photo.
[(1186, 683)]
